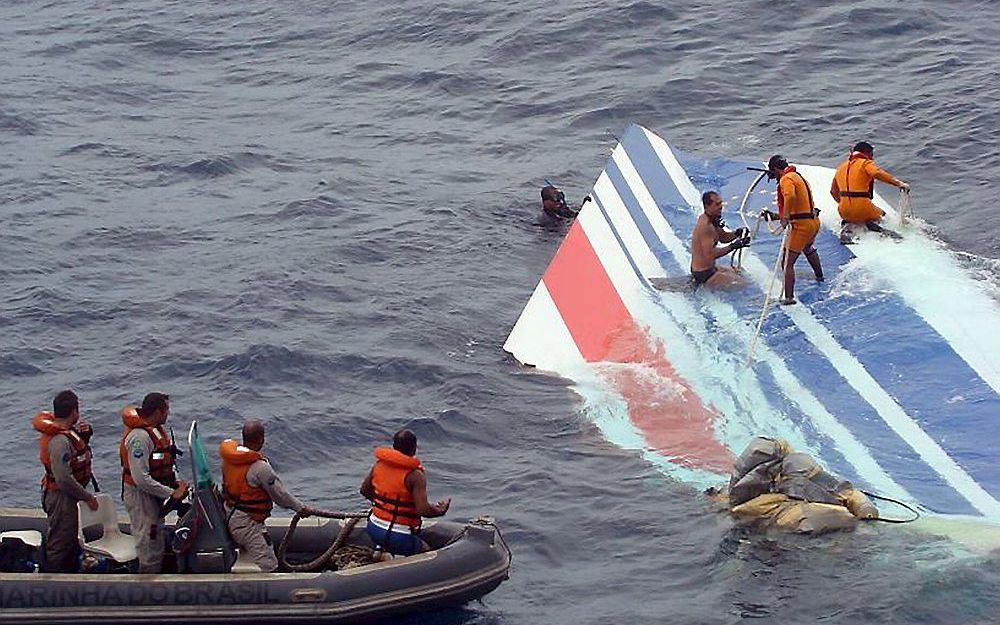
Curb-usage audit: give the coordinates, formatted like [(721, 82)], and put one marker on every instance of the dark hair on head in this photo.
[(777, 162), (405, 441), (153, 402), (864, 146), (706, 197), (64, 404), (550, 193)]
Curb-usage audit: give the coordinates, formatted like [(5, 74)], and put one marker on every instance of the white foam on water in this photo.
[(609, 412), (729, 384), (843, 361), (697, 335), (930, 279)]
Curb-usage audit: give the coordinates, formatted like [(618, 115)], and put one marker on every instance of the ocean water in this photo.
[(324, 215)]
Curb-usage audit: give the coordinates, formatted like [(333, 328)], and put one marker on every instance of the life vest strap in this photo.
[(397, 511), (238, 503), (794, 216)]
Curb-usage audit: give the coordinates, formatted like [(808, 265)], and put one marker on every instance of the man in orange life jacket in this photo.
[(147, 456), (798, 213), (64, 450), (853, 188), (397, 488), (251, 488)]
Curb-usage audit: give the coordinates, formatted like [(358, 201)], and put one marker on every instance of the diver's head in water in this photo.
[(776, 166), (552, 198), (712, 202), (865, 148)]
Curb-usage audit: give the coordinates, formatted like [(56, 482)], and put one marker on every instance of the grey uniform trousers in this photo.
[(252, 538), (62, 546), (147, 528)]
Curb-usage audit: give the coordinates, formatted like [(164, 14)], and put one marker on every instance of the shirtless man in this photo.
[(705, 239)]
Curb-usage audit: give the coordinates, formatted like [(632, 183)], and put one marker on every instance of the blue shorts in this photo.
[(398, 543)]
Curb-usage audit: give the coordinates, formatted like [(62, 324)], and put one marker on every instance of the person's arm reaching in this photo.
[(878, 173), (367, 490), (263, 475), (417, 483)]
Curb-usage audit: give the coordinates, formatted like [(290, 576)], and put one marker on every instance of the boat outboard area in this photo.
[(331, 571)]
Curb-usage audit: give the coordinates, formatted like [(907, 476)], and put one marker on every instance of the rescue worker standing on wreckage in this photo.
[(148, 478), (251, 488), (799, 215), (853, 187), (397, 487), (64, 449)]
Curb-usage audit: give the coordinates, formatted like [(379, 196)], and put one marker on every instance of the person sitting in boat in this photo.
[(397, 487), (853, 189), (554, 204), (251, 488), (708, 232), (148, 478), (64, 449), (798, 213)]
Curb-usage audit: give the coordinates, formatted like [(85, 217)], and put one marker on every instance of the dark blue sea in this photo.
[(323, 215)]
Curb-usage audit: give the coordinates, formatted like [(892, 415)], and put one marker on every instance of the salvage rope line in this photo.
[(916, 515), (736, 259), (768, 296), (324, 558), (903, 207)]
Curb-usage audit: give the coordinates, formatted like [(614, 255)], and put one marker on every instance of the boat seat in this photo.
[(31, 538), (113, 543), (244, 563)]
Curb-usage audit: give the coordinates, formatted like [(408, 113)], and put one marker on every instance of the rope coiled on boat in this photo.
[(321, 561)]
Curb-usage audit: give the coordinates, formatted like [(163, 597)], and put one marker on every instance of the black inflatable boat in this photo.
[(466, 561)]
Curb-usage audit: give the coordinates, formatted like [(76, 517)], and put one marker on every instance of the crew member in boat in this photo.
[(147, 457), (64, 449), (708, 232), (397, 487), (251, 487), (853, 189), (798, 214)]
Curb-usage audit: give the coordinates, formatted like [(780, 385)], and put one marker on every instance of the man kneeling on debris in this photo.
[(782, 488)]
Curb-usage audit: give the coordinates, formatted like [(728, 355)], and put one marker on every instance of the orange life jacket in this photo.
[(79, 462), (236, 462), (853, 180), (161, 462), (393, 502), (804, 207)]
